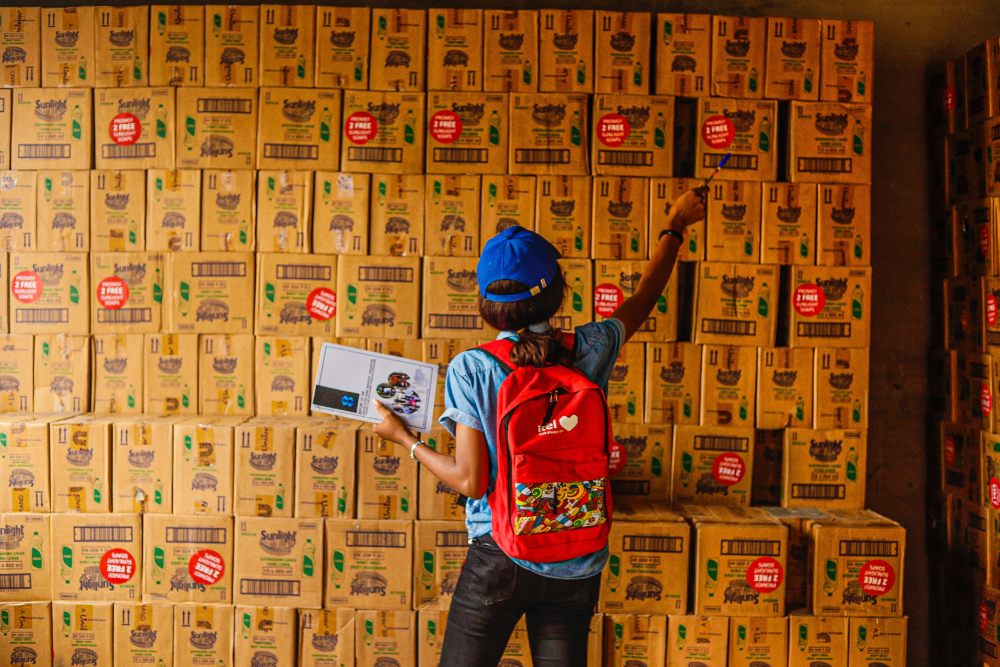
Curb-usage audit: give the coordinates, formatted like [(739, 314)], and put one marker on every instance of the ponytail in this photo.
[(540, 349)]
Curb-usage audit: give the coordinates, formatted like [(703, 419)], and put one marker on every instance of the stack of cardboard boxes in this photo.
[(194, 199), (962, 117)]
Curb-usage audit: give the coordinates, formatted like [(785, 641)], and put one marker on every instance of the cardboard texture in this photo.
[(455, 49), (209, 293), (173, 209), (134, 128), (398, 214), (398, 50), (738, 56), (265, 467), (67, 43), (26, 465), (635, 637), (694, 639), (385, 635), (378, 296), (296, 294), (18, 210), (326, 637), (621, 217), (225, 374), (50, 293), (117, 211), (325, 451), (728, 385), (440, 548), (177, 45), (830, 307), (789, 214), (298, 128), (80, 456), (548, 134), (220, 128), (284, 211), (754, 147), (877, 639), (450, 299), (387, 479), (281, 376), (171, 374), (277, 562), (683, 54), (203, 465), (663, 192), (562, 213), (798, 520), (287, 51), (127, 292), (646, 474), (29, 638), (467, 133), (711, 465), (61, 373), (673, 383), (849, 61), (342, 41), (203, 634), (817, 639), (6, 112), (615, 281), (622, 51), (510, 45), (566, 50), (784, 388), (382, 132), (143, 633), (438, 501), (340, 213), (51, 128), (843, 234), (505, 201), (99, 557), (626, 385), (451, 226), (825, 469), (758, 639), (85, 633), (370, 564), (142, 465), (793, 59), (63, 211), (830, 142), (188, 558), (578, 307), (232, 49), (841, 389), (122, 47), (228, 218), (632, 135), (27, 557), (17, 373), (266, 634), (736, 304)]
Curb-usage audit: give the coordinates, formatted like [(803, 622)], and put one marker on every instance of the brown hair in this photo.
[(531, 349)]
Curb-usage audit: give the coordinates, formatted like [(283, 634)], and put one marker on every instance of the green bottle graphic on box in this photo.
[(161, 122), (807, 82), (436, 192), (614, 571), (404, 501), (188, 448), (190, 128), (76, 122), (578, 238), (741, 637), (830, 577), (37, 548), (859, 137), (660, 131), (491, 199), (308, 558), (67, 623), (857, 302), (82, 69), (686, 406), (575, 128), (681, 636), (431, 632), (852, 464), (342, 501), (800, 409), (98, 490), (526, 73), (137, 68), (4, 621), (693, 241), (66, 567), (744, 408), (410, 127), (661, 304), (74, 286), (752, 80), (687, 463), (279, 497), (352, 301), (337, 574), (130, 397), (581, 72), (862, 642), (161, 22), (494, 128), (325, 120), (862, 80), (159, 563), (186, 396), (47, 188), (656, 459), (856, 411), (803, 637), (762, 300), (668, 32), (764, 138), (246, 623), (630, 404), (577, 295), (216, 24), (439, 25), (369, 632), (637, 73), (158, 492), (711, 576), (427, 571), (157, 286), (858, 246), (804, 246), (359, 69), (619, 632), (300, 66), (383, 26)]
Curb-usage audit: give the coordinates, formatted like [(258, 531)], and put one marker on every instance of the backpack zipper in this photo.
[(553, 399)]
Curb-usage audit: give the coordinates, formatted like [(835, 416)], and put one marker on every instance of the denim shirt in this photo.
[(471, 388)]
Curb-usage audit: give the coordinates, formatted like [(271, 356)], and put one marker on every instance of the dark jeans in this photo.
[(491, 596)]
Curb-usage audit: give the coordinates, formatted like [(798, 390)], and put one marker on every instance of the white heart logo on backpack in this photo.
[(569, 423)]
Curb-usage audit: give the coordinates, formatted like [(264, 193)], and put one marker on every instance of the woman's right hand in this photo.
[(689, 208)]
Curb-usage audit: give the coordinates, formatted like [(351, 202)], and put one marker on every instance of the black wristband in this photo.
[(671, 232)]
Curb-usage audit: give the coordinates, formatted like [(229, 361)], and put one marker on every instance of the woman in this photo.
[(520, 287)]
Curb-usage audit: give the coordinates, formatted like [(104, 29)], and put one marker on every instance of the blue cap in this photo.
[(517, 254)]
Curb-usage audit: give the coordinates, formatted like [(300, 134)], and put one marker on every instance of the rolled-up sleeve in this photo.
[(460, 394)]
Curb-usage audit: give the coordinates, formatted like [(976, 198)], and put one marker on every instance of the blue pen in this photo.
[(722, 163)]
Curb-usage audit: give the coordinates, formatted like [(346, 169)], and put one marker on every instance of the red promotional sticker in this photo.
[(948, 99), (949, 451), (765, 575), (984, 617), (995, 493), (321, 303), (125, 129), (876, 577), (728, 469), (809, 300), (206, 567), (616, 458), (117, 566), (985, 400), (26, 287), (991, 309), (607, 298), (613, 129), (718, 132), (112, 293), (360, 127), (445, 126)]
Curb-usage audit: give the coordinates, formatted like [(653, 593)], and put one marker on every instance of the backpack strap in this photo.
[(501, 348)]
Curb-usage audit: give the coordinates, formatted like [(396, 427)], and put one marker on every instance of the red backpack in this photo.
[(552, 496)]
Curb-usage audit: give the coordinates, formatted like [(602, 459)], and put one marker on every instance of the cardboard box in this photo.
[(736, 304), (562, 213), (382, 132), (622, 52), (25, 439), (281, 376), (798, 520), (266, 634), (848, 61), (232, 49), (21, 47), (173, 209), (566, 51), (296, 294), (843, 236), (16, 374), (673, 383), (754, 147), (450, 299), (455, 49), (284, 207), (188, 558), (144, 633), (325, 451), (228, 217), (940, 165), (510, 44), (379, 296), (128, 291), (683, 52), (646, 474), (437, 500), (67, 44), (697, 640), (616, 281), (734, 222), (739, 56), (61, 373), (980, 91), (387, 479), (28, 639), (621, 217), (814, 639), (142, 465), (122, 46), (277, 562), (627, 384), (80, 454), (398, 50), (27, 568), (788, 225), (117, 211), (220, 128), (711, 465), (648, 567), (841, 389), (663, 192), (225, 374), (203, 465), (6, 105), (784, 388), (63, 211), (298, 128), (506, 201), (452, 215), (171, 374), (117, 382), (431, 626), (631, 135), (758, 640), (793, 59), (397, 214), (209, 293), (549, 134), (49, 293), (342, 39), (578, 306), (877, 639), (370, 564), (287, 49), (824, 469), (467, 133), (830, 306), (134, 128), (177, 45), (439, 553), (51, 128), (18, 210), (100, 557), (856, 565), (385, 635), (340, 213), (830, 142), (728, 385), (86, 633), (635, 638), (326, 637), (265, 466), (203, 634)]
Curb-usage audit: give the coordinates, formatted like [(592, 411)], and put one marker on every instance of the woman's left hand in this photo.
[(392, 427)]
